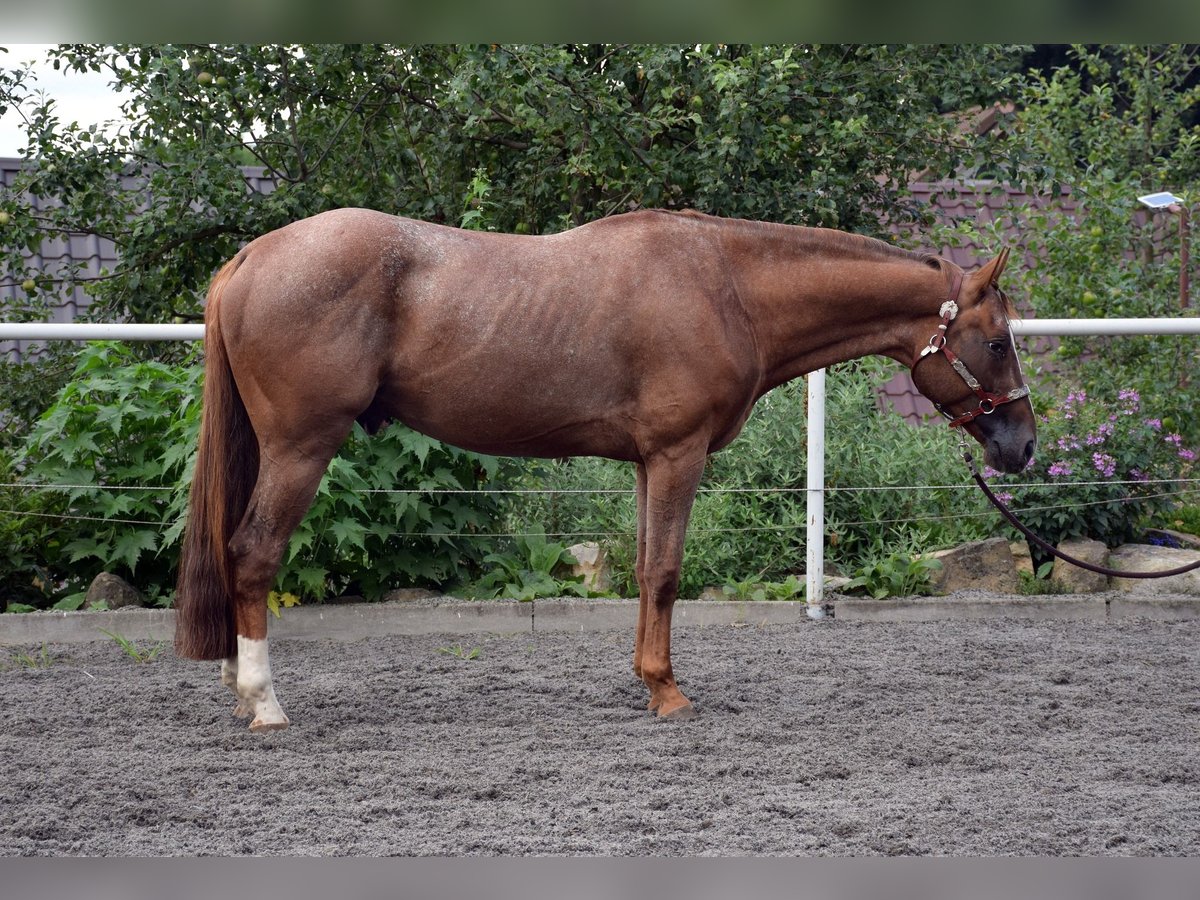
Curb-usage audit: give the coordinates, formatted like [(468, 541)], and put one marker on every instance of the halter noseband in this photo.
[(988, 401)]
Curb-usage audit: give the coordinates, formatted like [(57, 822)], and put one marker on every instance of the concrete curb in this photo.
[(446, 615), (935, 609)]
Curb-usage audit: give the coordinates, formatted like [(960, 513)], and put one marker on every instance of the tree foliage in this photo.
[(1114, 124), (563, 134)]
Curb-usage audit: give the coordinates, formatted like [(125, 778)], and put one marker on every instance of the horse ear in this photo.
[(989, 273)]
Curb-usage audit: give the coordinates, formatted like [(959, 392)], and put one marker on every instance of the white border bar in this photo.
[(95, 331)]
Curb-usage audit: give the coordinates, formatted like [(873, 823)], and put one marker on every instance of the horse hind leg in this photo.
[(288, 480)]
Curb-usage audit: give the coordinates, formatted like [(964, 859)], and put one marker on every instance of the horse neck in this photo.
[(818, 297)]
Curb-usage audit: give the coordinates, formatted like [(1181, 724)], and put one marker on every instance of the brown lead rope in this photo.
[(1054, 551)]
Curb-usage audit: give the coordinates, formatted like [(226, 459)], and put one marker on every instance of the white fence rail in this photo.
[(87, 331), (815, 515)]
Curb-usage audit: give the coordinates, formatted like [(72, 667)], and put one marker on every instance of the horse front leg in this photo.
[(640, 570), (671, 484)]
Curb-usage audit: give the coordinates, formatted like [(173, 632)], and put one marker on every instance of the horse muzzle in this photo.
[(1007, 446)]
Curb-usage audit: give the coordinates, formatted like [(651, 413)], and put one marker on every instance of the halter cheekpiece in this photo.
[(988, 401)]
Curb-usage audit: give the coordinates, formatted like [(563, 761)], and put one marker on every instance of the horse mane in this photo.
[(826, 240)]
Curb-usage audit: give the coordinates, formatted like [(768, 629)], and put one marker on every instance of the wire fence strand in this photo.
[(783, 526), (828, 489)]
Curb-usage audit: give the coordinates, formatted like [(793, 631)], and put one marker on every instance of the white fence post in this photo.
[(814, 544)]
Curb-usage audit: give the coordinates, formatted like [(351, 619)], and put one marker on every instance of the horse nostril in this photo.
[(1029, 448)]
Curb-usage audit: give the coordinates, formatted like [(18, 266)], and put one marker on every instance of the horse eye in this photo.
[(1000, 348)]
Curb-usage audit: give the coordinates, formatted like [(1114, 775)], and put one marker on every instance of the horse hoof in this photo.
[(258, 725), (679, 714)]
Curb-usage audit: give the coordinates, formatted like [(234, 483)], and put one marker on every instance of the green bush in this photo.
[(894, 575), (27, 532), (121, 438), (532, 568)]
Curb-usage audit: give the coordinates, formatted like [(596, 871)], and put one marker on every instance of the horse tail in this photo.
[(225, 474)]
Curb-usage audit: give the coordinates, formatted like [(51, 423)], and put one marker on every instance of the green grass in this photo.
[(41, 660), (133, 651)]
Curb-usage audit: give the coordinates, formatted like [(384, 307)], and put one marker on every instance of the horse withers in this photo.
[(644, 337)]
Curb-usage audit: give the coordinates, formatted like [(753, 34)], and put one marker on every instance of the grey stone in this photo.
[(980, 565), (407, 595), (1075, 580), (592, 565), (113, 591), (1149, 558), (1022, 558)]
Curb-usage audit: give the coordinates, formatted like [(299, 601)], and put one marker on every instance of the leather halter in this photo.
[(988, 401)]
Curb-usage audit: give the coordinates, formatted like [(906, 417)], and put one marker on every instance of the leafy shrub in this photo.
[(26, 534), (532, 568), (366, 532), (1099, 470), (895, 575), (892, 484), (121, 437), (1186, 518)]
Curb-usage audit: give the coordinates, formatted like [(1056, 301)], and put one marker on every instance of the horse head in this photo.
[(978, 383)]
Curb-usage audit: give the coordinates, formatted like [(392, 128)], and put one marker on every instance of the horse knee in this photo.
[(663, 583)]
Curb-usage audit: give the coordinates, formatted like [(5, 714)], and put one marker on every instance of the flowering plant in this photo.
[(1103, 470)]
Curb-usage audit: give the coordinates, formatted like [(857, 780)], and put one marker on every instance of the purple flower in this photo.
[(1155, 424), (1004, 497), (1105, 464), (1059, 468), (1187, 454), (1174, 439), (1131, 399)]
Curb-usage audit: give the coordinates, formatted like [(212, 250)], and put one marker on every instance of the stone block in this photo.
[(114, 591), (980, 565), (592, 565), (1022, 558), (1150, 558), (1075, 580)]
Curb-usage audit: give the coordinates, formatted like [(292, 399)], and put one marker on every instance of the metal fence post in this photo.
[(814, 544)]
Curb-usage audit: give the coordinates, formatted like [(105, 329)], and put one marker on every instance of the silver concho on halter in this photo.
[(948, 311)]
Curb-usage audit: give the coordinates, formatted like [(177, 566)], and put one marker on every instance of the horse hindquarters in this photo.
[(256, 475)]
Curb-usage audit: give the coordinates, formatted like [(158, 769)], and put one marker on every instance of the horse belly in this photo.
[(544, 417)]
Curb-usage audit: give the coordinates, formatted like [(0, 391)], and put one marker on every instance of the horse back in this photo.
[(523, 345)]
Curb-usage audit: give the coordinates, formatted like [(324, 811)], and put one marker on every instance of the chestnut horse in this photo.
[(645, 337)]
